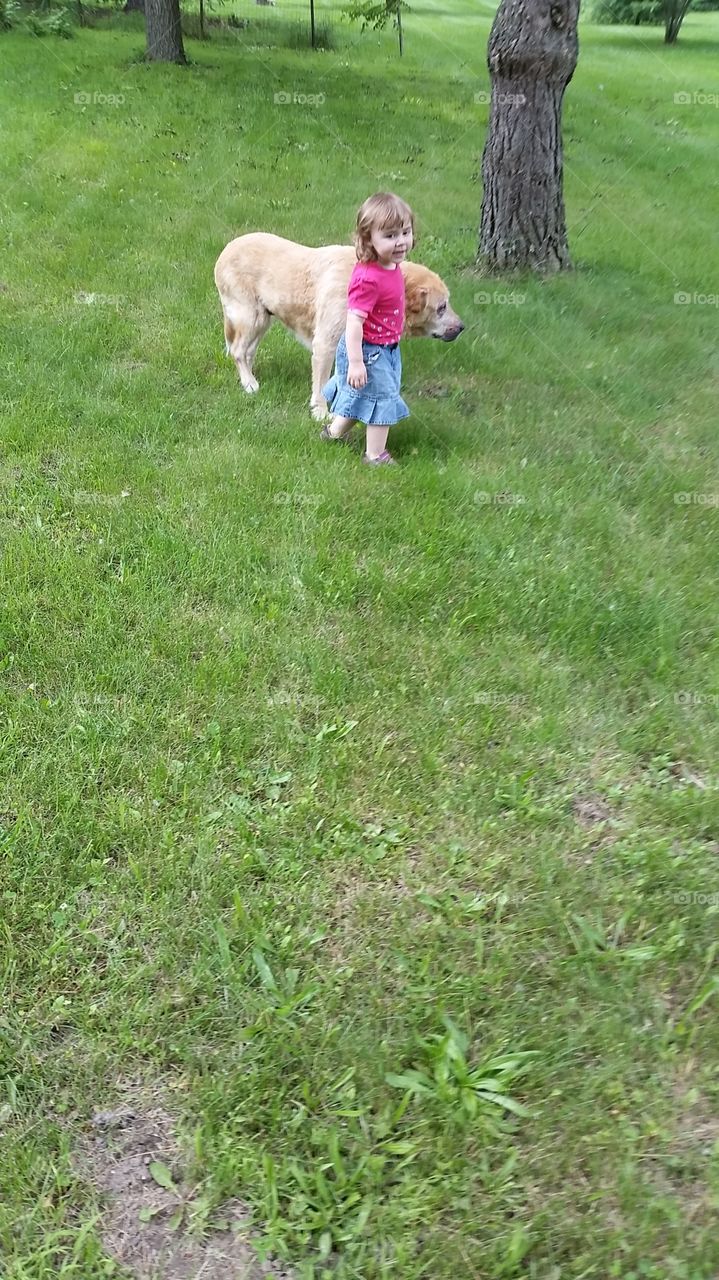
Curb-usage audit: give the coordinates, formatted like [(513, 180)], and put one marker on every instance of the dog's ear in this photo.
[(415, 298)]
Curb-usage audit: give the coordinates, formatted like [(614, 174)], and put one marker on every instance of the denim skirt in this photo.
[(378, 402)]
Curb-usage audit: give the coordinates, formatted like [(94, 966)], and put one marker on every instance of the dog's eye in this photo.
[(441, 308)]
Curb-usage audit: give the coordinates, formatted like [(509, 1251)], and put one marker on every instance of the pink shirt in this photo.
[(378, 295)]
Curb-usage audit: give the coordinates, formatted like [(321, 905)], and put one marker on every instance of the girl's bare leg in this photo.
[(376, 440), (340, 426)]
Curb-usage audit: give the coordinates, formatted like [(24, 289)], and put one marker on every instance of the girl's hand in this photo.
[(357, 374)]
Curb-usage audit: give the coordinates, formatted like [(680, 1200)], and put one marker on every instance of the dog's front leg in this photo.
[(323, 353)]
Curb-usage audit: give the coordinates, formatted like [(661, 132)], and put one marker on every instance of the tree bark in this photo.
[(533, 50), (674, 15), (164, 31), (134, 6)]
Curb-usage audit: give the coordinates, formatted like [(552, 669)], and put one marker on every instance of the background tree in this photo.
[(674, 14), (667, 13), (635, 13), (377, 13), (164, 31), (533, 49)]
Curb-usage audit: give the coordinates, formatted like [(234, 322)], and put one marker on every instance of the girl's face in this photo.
[(392, 244)]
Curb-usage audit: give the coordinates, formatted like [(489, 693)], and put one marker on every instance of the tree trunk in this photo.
[(164, 31), (533, 49), (674, 15), (134, 6)]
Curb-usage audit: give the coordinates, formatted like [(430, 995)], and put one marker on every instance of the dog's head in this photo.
[(427, 310)]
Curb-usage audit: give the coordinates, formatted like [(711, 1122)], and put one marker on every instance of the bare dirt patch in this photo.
[(697, 1124), (433, 390), (591, 811), (687, 777), (682, 1167), (358, 903), (143, 1225)]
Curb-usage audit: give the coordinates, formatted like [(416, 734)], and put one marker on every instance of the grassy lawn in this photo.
[(369, 820)]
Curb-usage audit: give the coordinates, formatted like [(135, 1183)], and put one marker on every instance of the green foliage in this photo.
[(61, 22), (10, 14), (464, 1091), (629, 12), (667, 13), (52, 20), (375, 14)]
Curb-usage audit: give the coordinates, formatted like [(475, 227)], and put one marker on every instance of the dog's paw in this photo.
[(320, 411), (250, 385)]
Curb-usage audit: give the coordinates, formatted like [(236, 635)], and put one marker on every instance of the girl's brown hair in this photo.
[(379, 212)]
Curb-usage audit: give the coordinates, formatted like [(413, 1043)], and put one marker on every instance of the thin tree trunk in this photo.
[(674, 14), (134, 6), (533, 49), (164, 31)]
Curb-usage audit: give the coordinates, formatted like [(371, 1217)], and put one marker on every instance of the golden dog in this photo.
[(261, 278)]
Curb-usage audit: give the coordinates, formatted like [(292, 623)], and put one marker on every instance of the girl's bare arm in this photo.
[(356, 374)]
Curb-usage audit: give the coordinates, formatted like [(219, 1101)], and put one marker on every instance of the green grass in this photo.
[(299, 761)]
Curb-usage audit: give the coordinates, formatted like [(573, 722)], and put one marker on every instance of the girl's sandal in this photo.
[(325, 435), (384, 459)]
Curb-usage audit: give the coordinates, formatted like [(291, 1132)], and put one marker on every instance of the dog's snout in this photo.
[(452, 332)]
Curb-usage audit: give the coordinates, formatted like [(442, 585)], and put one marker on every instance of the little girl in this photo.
[(365, 385)]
